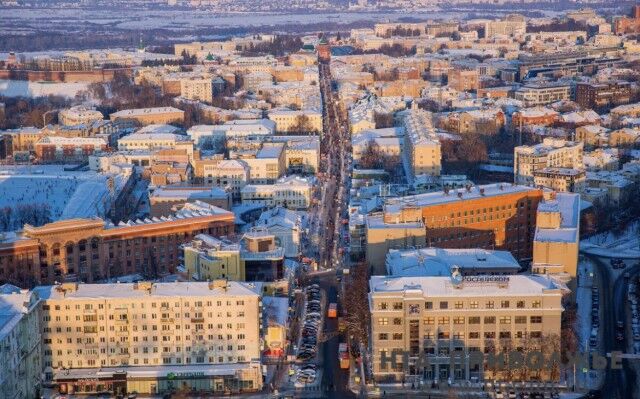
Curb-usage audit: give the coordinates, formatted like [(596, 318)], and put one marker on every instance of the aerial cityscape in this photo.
[(319, 199)]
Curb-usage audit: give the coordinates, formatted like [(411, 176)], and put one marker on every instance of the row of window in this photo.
[(198, 304), (429, 305), (445, 320), (430, 335)]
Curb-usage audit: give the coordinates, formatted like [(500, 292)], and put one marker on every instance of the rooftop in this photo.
[(436, 286)]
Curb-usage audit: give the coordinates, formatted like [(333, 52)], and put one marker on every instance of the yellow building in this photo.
[(557, 237), (299, 121), (421, 145)]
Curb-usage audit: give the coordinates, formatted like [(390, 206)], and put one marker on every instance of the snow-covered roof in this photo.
[(83, 291), (436, 286), (440, 197), (144, 111), (568, 205), (14, 304), (276, 310), (440, 262)]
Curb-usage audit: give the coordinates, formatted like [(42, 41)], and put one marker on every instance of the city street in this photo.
[(618, 383)]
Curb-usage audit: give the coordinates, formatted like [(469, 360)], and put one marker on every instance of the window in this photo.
[(397, 306), (489, 305), (443, 320), (474, 320), (505, 319), (489, 334), (505, 334), (429, 320), (474, 335), (535, 334), (536, 304), (397, 321), (459, 305), (382, 306), (536, 319), (444, 305), (397, 336), (504, 304), (489, 320), (521, 319), (383, 321), (520, 304), (473, 304), (428, 305), (383, 336), (458, 320)]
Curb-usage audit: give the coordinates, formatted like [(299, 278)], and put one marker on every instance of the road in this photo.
[(619, 384)]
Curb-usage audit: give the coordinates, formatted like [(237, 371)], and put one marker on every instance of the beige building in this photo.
[(79, 115), (538, 94), (231, 175), (421, 144), (149, 116), (162, 329), (197, 88), (454, 320), (551, 153), (514, 25), (560, 179), (463, 79), (298, 121), (164, 201), (557, 237), (20, 343)]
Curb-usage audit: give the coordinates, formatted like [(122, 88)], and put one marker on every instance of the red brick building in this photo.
[(63, 149)]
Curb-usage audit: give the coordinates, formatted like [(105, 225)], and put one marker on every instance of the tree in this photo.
[(302, 124), (356, 304)]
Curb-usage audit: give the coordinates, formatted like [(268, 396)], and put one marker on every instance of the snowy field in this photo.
[(41, 194), (22, 88)]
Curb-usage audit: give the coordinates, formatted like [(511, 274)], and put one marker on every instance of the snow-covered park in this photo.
[(609, 244), (38, 195)]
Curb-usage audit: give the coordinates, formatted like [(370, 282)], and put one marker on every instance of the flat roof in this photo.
[(440, 262), (439, 197), (83, 291), (436, 286)]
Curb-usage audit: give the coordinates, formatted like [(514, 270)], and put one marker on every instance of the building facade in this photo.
[(163, 329), (455, 321)]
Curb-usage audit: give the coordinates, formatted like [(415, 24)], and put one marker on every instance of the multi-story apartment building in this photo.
[(537, 94), (551, 153), (79, 115), (456, 320), (463, 79), (493, 216), (197, 88), (151, 338), (421, 144), (164, 200), (230, 174), (154, 141), (21, 139), (92, 249), (149, 116), (20, 343), (62, 149), (603, 95), (560, 179), (557, 238), (268, 163), (514, 25)]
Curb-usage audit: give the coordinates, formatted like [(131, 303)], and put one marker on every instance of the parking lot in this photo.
[(305, 371)]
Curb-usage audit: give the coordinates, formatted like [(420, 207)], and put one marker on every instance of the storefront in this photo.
[(91, 381), (216, 379)]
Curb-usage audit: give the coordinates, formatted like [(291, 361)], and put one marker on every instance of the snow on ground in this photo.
[(67, 194), (625, 245), (23, 88)]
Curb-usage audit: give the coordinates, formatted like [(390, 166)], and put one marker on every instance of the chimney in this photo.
[(460, 195), (482, 191)]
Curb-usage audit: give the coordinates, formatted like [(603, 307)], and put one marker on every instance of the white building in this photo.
[(20, 343), (291, 192), (286, 225), (551, 153), (230, 174), (538, 94)]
